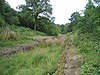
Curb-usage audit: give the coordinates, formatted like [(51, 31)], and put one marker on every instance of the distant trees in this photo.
[(89, 21), (74, 21), (87, 39), (35, 14), (26, 19), (74, 16), (47, 26)]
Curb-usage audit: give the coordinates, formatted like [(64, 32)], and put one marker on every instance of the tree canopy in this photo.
[(37, 8), (35, 14)]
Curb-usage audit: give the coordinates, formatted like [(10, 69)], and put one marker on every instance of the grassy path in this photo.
[(44, 59), (27, 47)]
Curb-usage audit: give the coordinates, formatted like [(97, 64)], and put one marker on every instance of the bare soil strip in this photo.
[(27, 47), (72, 59), (72, 64)]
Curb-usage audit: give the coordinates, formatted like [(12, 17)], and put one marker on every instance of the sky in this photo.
[(62, 9)]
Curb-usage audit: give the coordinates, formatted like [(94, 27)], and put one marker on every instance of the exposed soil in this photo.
[(73, 60), (31, 46)]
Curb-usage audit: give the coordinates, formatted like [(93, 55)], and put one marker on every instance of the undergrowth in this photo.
[(43, 60), (13, 35), (88, 45)]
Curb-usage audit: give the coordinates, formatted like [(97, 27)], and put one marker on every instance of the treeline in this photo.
[(90, 20), (86, 27), (87, 20), (35, 14)]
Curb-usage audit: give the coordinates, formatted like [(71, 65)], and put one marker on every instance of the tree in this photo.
[(26, 19), (90, 17), (37, 8), (74, 21), (97, 1), (2, 3), (7, 14), (87, 23), (74, 16), (47, 26)]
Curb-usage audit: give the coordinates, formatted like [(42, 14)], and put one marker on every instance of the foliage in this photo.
[(88, 46), (7, 13), (74, 17), (47, 27), (2, 22), (35, 15), (68, 28), (37, 7), (87, 41), (2, 3), (26, 20)]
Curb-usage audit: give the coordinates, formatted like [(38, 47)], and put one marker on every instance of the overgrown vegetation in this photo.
[(12, 23), (86, 30), (16, 27), (89, 47), (43, 60), (29, 16), (13, 35)]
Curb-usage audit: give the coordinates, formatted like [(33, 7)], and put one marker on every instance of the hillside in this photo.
[(13, 35), (32, 43)]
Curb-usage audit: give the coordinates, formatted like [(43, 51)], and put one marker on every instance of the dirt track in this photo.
[(27, 47), (72, 64)]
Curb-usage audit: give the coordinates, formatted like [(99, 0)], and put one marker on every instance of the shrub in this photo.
[(88, 46), (2, 22)]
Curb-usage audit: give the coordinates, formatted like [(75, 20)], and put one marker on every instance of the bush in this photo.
[(44, 25), (2, 22), (88, 46)]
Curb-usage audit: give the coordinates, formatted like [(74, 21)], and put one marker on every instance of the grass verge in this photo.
[(43, 60)]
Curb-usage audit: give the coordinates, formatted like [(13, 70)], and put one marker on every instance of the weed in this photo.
[(40, 61)]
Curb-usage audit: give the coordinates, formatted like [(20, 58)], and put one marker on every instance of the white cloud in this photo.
[(62, 9)]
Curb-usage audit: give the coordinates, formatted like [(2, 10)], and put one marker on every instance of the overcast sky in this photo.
[(62, 9)]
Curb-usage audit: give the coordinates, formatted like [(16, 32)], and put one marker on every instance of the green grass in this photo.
[(88, 45), (43, 60), (24, 36)]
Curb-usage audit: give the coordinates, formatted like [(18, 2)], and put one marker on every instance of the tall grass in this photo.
[(43, 60), (7, 34)]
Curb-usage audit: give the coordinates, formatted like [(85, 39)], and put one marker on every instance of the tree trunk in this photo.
[(35, 25), (35, 21)]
